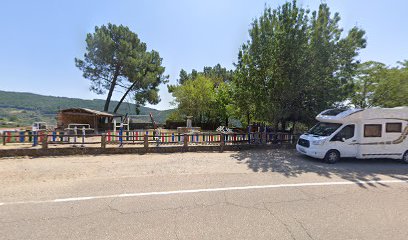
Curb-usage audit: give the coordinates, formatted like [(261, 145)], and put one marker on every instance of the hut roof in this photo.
[(86, 111)]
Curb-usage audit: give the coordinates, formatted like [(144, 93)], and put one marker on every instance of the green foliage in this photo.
[(366, 82), (217, 74), (223, 105), (392, 89), (115, 57), (14, 117), (195, 98), (379, 86), (295, 64), (175, 116), (206, 95)]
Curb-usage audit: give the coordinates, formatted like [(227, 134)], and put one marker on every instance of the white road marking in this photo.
[(126, 195)]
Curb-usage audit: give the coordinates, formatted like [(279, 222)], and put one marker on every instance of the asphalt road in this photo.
[(258, 194)]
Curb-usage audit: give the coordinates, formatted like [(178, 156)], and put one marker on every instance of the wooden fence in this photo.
[(121, 138)]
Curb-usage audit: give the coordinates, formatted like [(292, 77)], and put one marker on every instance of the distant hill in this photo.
[(21, 108)]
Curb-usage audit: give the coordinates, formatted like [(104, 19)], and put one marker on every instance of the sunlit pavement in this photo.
[(259, 194)]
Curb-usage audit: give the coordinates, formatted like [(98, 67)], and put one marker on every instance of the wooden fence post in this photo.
[(263, 137), (185, 140), (4, 138), (45, 141), (103, 140), (146, 141), (222, 142)]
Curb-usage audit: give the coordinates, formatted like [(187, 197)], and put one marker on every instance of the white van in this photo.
[(357, 133), (39, 126)]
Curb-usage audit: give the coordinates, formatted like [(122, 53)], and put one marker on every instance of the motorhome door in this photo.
[(345, 141)]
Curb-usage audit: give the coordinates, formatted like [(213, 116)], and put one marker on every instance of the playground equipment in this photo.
[(37, 129), (224, 129), (156, 130), (124, 123), (79, 125), (74, 127), (153, 122)]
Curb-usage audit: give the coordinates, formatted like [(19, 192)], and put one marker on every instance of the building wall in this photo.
[(65, 119)]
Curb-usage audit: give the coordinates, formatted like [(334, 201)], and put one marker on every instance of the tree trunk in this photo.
[(293, 127), (112, 87), (226, 121), (123, 97), (283, 125), (127, 92)]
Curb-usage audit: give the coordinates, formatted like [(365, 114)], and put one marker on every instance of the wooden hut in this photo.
[(97, 120)]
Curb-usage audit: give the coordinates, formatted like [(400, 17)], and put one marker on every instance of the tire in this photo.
[(332, 156), (405, 157)]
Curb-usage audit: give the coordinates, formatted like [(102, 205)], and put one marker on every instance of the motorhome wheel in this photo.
[(332, 156), (405, 157)]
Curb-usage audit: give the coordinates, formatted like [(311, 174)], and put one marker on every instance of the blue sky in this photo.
[(40, 39)]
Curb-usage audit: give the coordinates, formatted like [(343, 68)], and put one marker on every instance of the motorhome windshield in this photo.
[(324, 129)]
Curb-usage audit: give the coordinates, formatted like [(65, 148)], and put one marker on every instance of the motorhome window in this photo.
[(346, 133), (393, 127), (372, 130), (324, 129), (334, 112)]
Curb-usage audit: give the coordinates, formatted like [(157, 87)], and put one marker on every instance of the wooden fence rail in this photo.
[(144, 138)]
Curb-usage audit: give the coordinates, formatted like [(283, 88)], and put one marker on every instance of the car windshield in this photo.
[(324, 129)]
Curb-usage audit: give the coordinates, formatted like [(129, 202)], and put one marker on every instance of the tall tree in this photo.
[(145, 81), (216, 96), (295, 64), (115, 57), (195, 97), (218, 105), (366, 82), (392, 89), (223, 102), (217, 74)]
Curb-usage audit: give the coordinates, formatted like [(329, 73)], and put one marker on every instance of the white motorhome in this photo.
[(358, 133)]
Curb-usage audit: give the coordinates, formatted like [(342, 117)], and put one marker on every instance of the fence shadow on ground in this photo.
[(291, 164)]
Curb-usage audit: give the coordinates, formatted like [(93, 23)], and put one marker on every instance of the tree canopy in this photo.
[(366, 82), (392, 88), (295, 64), (206, 95), (377, 85), (195, 97), (115, 57)]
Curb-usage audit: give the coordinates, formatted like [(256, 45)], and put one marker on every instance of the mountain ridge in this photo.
[(26, 107)]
